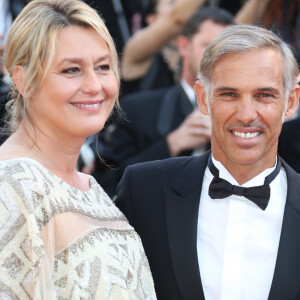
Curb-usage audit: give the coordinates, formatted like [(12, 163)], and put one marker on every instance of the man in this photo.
[(164, 123), (205, 234)]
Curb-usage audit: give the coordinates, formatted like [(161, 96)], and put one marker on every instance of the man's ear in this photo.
[(293, 102), (18, 78), (201, 98), (182, 45)]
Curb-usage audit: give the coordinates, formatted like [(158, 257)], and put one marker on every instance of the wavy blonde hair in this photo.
[(31, 43)]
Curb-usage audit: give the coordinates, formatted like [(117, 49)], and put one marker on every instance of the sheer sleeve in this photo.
[(25, 265)]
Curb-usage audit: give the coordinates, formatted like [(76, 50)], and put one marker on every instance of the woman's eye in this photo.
[(73, 70), (103, 68)]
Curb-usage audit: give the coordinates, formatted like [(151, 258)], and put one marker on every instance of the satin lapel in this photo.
[(286, 279), (182, 205)]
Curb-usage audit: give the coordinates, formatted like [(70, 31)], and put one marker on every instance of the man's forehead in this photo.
[(257, 66), (262, 59)]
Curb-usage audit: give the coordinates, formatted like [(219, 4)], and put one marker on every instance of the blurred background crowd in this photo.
[(160, 45)]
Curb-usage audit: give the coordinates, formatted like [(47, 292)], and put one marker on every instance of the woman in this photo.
[(60, 235)]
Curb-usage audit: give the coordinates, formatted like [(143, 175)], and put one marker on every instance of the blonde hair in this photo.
[(31, 43)]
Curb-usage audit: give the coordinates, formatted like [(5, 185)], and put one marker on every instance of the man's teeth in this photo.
[(248, 135), (87, 105)]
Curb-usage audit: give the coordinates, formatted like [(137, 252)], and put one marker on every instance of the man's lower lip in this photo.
[(246, 143)]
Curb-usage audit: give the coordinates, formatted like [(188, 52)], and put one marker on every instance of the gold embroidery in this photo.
[(103, 263)]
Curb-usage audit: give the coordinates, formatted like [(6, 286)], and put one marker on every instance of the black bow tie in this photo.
[(220, 188)]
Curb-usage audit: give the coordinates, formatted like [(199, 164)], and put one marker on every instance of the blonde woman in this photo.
[(61, 237)]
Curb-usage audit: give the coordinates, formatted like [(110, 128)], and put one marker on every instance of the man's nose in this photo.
[(247, 109)]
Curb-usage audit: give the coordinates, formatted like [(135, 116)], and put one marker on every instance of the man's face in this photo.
[(198, 43), (247, 106)]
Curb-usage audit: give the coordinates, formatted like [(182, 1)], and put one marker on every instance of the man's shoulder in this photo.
[(291, 127), (293, 182)]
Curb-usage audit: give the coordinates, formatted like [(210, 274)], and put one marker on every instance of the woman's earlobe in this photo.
[(18, 78)]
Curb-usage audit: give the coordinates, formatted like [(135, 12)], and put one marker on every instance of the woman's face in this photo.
[(80, 88)]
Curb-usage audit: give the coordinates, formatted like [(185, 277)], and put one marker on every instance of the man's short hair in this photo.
[(217, 15), (244, 38)]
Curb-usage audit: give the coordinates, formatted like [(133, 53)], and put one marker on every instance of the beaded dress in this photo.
[(58, 242)]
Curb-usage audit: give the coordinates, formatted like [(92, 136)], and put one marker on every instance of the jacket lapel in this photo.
[(175, 106), (182, 205), (286, 279)]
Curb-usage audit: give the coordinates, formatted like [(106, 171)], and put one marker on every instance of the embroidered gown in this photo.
[(58, 242)]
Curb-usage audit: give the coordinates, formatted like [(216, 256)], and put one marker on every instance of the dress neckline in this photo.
[(35, 162)]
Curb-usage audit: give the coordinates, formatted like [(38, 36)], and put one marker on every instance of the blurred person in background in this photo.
[(150, 57), (165, 122), (61, 236)]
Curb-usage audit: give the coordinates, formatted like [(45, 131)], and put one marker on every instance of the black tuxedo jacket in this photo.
[(289, 143), (161, 201)]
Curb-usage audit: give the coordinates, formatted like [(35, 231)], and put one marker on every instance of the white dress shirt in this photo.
[(237, 242)]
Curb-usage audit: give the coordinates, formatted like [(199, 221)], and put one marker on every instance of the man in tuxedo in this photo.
[(226, 225), (163, 123)]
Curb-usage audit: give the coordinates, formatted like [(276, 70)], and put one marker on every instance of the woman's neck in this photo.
[(56, 154)]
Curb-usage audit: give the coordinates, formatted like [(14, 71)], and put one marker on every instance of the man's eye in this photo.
[(71, 70), (228, 94), (265, 95)]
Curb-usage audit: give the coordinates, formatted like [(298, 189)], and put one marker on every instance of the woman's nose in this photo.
[(91, 83)]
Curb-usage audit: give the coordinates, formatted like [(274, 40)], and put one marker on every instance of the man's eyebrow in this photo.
[(263, 89), (268, 89), (225, 89)]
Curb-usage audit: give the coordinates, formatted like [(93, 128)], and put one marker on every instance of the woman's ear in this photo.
[(18, 78), (201, 98), (293, 102)]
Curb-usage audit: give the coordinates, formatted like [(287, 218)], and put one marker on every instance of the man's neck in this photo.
[(243, 173)]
